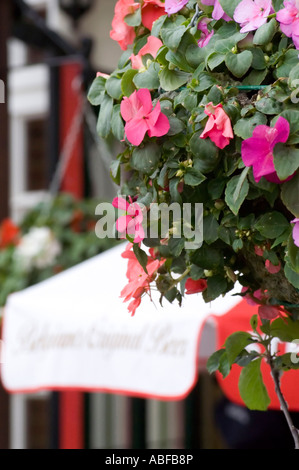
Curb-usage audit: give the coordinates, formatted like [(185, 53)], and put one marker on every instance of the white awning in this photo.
[(73, 331)]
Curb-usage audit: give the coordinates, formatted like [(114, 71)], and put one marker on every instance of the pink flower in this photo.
[(271, 268), (130, 223), (257, 151), (139, 280), (218, 127), (258, 250), (141, 118), (288, 18), (193, 287), (258, 296), (251, 14), (218, 12), (104, 75), (151, 47), (296, 231), (173, 6), (206, 34), (269, 312), (121, 31), (151, 11)]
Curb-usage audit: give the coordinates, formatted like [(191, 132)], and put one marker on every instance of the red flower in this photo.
[(9, 233), (271, 268), (193, 287), (218, 126), (139, 280), (269, 312), (121, 31), (151, 11)]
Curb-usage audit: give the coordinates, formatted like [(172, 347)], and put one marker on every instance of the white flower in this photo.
[(37, 249)]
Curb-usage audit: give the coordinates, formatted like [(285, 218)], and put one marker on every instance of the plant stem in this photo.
[(283, 405)]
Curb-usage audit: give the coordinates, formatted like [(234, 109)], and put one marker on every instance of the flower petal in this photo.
[(135, 130)]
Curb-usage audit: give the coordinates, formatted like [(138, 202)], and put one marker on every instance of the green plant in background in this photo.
[(205, 102), (53, 236)]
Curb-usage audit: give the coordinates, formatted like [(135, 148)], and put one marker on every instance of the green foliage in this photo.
[(253, 76), (72, 225)]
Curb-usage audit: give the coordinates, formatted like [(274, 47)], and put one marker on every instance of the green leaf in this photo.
[(193, 177), (239, 64), (176, 246), (285, 330), (146, 159), (127, 84), (171, 80), (208, 257), (179, 60), (258, 61), (96, 91), (244, 127), (293, 254), (213, 362), (236, 191), (141, 256), (290, 195), (224, 365), (291, 275), (272, 224), (134, 19), (115, 171), (264, 34), (210, 229), (251, 386), (117, 125), (172, 33), (268, 106), (104, 119), (205, 152), (286, 160), (289, 61), (113, 87), (148, 78), (254, 322), (217, 285), (256, 77), (215, 59), (157, 25), (235, 343), (176, 125), (195, 55)]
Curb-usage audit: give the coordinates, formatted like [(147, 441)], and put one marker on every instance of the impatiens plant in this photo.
[(209, 116)]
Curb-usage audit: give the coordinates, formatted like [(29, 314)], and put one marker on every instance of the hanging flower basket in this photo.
[(205, 103)]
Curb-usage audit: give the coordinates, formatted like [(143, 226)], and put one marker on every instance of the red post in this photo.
[(71, 130), (71, 403)]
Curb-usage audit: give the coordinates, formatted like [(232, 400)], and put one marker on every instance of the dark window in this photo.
[(37, 164)]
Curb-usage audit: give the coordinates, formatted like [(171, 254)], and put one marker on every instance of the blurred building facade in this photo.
[(43, 72)]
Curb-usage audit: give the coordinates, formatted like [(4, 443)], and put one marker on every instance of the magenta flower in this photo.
[(141, 118), (218, 12), (257, 151), (296, 231), (131, 222), (288, 18), (173, 6), (206, 34), (251, 14)]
